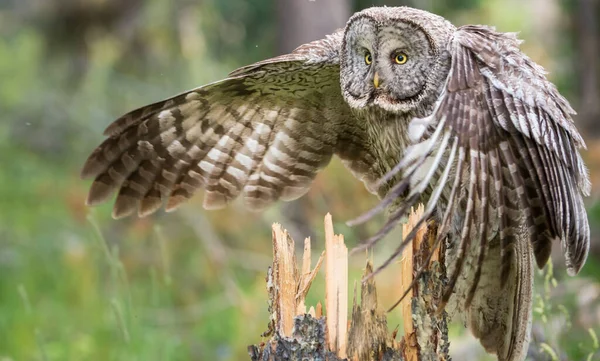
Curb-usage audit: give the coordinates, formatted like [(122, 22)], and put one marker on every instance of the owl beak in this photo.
[(376, 80)]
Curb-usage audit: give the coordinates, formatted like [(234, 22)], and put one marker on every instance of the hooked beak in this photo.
[(376, 80)]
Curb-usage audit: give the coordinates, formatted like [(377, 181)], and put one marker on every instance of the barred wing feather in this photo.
[(263, 133)]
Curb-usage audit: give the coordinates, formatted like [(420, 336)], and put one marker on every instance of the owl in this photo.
[(416, 108)]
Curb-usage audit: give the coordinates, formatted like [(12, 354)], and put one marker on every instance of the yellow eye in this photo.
[(368, 58), (401, 58)]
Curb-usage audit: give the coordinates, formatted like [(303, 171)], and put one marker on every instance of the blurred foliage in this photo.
[(76, 285)]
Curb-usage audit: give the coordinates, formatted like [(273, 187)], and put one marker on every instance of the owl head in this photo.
[(394, 59)]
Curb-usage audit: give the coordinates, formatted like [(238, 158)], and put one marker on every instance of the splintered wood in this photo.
[(298, 335), (287, 285), (336, 289)]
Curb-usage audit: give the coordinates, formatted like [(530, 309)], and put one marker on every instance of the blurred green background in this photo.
[(189, 285)]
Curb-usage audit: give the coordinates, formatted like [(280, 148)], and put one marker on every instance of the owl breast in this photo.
[(385, 140)]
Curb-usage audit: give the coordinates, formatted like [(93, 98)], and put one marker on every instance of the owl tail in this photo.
[(500, 316)]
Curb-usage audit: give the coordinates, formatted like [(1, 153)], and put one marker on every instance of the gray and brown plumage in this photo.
[(416, 108)]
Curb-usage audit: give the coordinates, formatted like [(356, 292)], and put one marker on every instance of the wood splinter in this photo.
[(336, 289), (298, 335), (287, 285)]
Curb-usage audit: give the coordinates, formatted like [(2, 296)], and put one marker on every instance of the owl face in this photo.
[(391, 62)]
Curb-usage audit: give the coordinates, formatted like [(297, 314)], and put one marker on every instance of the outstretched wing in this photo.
[(507, 135), (264, 133), (504, 112)]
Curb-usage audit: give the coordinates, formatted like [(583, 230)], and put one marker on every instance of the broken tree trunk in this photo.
[(296, 334)]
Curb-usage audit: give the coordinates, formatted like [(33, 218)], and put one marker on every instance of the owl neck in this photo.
[(387, 135)]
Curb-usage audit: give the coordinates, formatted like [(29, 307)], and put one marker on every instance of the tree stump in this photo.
[(296, 334)]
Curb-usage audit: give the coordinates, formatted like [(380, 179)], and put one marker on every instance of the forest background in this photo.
[(190, 285)]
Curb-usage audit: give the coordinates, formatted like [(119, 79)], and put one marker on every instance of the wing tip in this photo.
[(114, 127), (214, 200), (92, 167), (574, 266), (174, 202), (99, 192), (576, 253), (149, 205), (86, 172), (124, 206)]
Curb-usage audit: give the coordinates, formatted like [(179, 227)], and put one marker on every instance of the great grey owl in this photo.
[(420, 111)]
